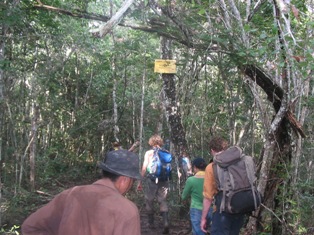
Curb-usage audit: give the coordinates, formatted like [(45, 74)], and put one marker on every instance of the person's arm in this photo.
[(206, 205), (144, 168), (133, 146), (45, 220), (34, 225), (209, 190)]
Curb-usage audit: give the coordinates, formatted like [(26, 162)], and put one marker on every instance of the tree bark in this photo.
[(274, 93), (2, 107), (170, 103), (3, 35), (33, 144), (114, 20)]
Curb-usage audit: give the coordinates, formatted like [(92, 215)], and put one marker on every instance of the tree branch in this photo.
[(105, 29), (78, 14), (255, 9), (274, 93)]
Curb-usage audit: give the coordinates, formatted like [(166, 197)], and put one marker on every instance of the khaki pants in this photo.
[(158, 191)]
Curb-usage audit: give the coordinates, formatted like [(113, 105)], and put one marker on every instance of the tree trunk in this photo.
[(142, 114), (33, 143), (2, 108), (170, 103)]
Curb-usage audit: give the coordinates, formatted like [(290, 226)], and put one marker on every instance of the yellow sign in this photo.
[(165, 66)]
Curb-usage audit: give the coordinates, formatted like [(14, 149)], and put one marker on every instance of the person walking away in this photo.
[(194, 189), (96, 209), (185, 166), (223, 223), (116, 145), (154, 188)]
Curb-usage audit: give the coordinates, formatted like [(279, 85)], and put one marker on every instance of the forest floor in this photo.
[(178, 219), (16, 214), (15, 207)]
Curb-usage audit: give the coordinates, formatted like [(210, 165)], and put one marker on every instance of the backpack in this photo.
[(160, 168), (185, 165), (235, 177)]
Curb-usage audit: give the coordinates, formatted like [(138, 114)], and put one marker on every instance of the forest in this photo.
[(77, 75)]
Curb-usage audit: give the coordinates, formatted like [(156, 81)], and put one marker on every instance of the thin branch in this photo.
[(105, 29), (255, 9), (78, 14), (237, 15), (225, 14)]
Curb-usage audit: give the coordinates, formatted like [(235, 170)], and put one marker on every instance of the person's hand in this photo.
[(137, 143), (203, 225)]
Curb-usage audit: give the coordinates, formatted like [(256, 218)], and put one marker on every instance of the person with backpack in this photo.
[(229, 182), (194, 189), (185, 166), (155, 185), (96, 209)]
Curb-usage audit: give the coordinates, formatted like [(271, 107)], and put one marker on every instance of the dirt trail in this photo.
[(177, 226)]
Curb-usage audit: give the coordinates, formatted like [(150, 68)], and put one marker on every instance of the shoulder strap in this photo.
[(250, 168), (155, 155), (220, 175), (250, 171)]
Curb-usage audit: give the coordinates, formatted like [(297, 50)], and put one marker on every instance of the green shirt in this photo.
[(194, 189)]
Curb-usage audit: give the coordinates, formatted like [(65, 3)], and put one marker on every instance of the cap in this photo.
[(199, 162), (121, 162)]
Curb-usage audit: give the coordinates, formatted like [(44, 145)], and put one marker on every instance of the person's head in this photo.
[(199, 163), (218, 144), (156, 140), (184, 153), (116, 144), (122, 168)]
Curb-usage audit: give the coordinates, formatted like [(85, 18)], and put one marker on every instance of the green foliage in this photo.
[(13, 230), (53, 61)]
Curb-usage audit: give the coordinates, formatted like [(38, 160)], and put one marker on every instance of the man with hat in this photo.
[(96, 209)]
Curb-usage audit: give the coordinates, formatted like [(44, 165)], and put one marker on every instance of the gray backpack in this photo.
[(235, 177)]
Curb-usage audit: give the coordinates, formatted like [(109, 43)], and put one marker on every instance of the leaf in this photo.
[(201, 11)]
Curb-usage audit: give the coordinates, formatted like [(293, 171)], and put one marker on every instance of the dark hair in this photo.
[(199, 163), (116, 144), (218, 144)]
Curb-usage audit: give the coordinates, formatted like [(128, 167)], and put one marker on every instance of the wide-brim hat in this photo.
[(121, 162)]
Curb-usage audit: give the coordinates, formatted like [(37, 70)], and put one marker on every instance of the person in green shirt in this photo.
[(194, 189)]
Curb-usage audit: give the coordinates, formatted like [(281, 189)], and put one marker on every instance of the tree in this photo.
[(242, 72)]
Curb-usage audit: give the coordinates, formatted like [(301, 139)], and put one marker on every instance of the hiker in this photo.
[(194, 189), (116, 145), (185, 166), (222, 222), (96, 209), (154, 187)]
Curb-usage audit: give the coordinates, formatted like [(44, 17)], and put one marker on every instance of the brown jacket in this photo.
[(96, 209)]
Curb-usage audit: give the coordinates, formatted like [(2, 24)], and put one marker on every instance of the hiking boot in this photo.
[(165, 222)]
